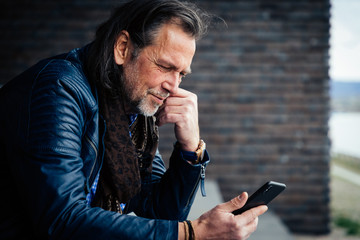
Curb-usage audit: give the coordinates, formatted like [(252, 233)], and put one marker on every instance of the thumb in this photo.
[(234, 203)]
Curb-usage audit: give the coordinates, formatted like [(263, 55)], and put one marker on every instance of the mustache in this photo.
[(159, 93)]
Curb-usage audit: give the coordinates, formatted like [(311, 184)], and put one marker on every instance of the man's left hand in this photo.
[(182, 110)]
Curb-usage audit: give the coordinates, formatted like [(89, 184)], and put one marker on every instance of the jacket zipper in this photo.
[(98, 162), (202, 184), (96, 155), (202, 178)]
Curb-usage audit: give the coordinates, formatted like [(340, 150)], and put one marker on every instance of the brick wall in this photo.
[(262, 83)]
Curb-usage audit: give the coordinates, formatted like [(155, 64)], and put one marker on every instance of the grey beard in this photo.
[(145, 110)]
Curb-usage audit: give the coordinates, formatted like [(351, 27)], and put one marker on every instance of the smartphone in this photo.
[(262, 196)]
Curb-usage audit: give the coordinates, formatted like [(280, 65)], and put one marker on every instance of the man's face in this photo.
[(156, 72)]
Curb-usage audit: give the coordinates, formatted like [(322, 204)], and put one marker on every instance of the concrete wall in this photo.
[(262, 83)]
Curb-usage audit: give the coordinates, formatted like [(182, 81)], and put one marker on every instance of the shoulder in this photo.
[(64, 75)]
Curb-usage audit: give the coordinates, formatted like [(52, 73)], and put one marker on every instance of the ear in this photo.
[(121, 48)]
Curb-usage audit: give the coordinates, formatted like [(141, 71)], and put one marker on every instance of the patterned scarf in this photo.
[(126, 158)]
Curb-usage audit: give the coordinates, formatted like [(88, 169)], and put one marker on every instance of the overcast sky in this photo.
[(345, 40)]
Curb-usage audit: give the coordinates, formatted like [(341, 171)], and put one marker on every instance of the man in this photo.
[(79, 137)]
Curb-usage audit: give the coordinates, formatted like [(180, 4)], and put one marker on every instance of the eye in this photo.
[(182, 75), (164, 68)]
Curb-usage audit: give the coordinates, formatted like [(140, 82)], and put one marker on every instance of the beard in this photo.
[(136, 94), (148, 107)]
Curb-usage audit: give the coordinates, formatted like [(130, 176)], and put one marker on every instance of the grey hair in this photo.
[(141, 19)]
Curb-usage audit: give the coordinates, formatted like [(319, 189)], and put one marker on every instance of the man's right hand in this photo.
[(220, 223)]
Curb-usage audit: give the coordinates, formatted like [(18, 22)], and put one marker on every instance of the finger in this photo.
[(253, 224), (174, 114), (176, 109), (164, 118), (250, 228), (185, 109), (183, 98), (176, 100), (180, 101), (165, 114), (234, 203), (181, 93), (251, 214)]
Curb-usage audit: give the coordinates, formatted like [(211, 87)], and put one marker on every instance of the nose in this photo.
[(172, 82)]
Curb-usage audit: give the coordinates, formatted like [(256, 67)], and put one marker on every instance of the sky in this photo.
[(345, 40)]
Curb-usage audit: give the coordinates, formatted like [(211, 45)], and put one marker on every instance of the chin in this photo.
[(147, 109), (148, 113)]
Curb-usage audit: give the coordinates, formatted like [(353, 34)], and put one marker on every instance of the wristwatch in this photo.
[(200, 151), (193, 157)]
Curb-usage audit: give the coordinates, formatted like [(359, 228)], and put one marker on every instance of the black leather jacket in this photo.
[(51, 149)]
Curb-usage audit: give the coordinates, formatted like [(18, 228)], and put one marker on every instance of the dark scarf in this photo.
[(126, 158)]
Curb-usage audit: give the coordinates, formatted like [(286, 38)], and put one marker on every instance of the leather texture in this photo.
[(51, 148)]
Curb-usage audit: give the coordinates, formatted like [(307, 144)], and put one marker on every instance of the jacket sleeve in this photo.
[(170, 194), (48, 167)]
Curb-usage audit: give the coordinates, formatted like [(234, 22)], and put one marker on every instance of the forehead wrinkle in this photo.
[(165, 49), (169, 63)]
